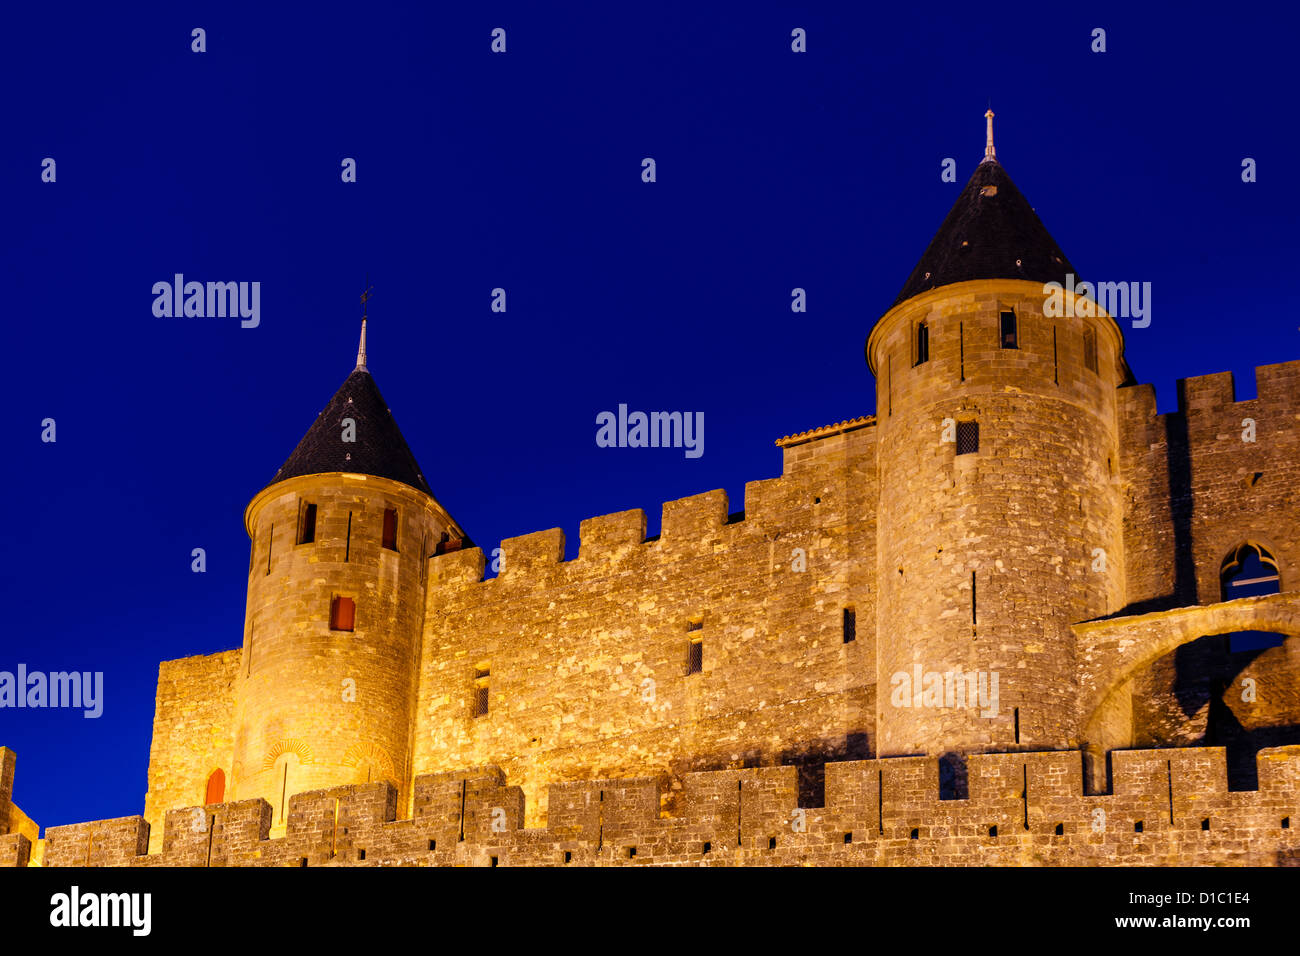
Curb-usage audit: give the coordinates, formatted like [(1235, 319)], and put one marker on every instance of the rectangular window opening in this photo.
[(695, 658), (343, 614), (850, 625), (968, 438), (482, 676), (390, 529), (922, 343), (1009, 335), (1090, 350), (306, 522)]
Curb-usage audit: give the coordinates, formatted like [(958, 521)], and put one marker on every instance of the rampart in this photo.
[(1167, 807)]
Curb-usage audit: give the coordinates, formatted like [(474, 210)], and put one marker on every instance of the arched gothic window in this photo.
[(1250, 571)]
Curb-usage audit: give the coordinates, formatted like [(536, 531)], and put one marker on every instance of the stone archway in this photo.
[(1112, 651)]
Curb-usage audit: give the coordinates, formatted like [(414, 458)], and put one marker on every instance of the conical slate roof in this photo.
[(379, 449), (991, 232)]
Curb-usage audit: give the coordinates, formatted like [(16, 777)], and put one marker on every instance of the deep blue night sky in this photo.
[(523, 171)]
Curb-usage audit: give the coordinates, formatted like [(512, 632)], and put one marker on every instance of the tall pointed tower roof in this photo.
[(379, 449), (991, 232)]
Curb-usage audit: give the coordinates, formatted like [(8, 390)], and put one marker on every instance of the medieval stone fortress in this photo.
[(1016, 617)]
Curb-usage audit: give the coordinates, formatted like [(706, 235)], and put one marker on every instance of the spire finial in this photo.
[(361, 349), (989, 155)]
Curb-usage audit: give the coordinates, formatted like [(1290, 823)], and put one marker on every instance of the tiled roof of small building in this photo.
[(848, 425)]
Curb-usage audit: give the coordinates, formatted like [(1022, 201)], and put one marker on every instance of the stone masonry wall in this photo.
[(193, 732), (588, 658), (1194, 487), (8, 763), (1167, 808)]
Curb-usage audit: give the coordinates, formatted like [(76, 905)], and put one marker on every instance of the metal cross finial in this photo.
[(365, 296)]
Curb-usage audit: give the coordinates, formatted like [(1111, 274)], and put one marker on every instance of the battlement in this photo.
[(531, 552), (611, 537), (1275, 386), (605, 540), (1166, 807), (688, 524)]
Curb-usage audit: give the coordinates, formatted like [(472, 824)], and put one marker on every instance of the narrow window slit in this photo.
[(961, 343)]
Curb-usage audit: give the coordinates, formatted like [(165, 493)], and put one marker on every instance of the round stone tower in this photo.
[(1000, 511), (332, 633)]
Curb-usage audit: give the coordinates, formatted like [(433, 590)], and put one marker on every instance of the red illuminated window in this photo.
[(343, 614), (216, 791)]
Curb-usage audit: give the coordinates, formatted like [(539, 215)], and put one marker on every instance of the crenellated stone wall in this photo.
[(1167, 808)]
